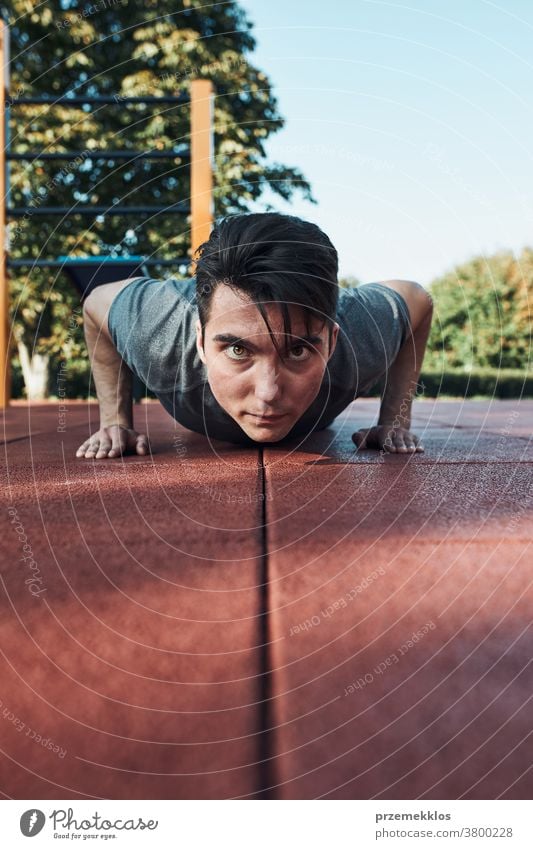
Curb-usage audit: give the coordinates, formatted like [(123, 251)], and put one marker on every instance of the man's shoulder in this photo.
[(373, 321), (152, 324), (98, 301), (373, 302), (156, 288), (147, 299)]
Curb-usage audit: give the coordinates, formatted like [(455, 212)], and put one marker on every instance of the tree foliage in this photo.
[(124, 49), (483, 313)]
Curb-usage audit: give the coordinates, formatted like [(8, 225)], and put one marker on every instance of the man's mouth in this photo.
[(267, 419)]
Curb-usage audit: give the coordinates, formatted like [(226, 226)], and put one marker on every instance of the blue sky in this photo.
[(412, 121)]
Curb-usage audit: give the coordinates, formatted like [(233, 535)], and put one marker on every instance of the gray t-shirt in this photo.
[(152, 324)]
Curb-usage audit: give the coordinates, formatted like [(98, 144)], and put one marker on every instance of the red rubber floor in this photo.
[(300, 622)]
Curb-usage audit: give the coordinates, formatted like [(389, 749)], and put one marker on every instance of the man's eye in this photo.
[(236, 352), (300, 352)]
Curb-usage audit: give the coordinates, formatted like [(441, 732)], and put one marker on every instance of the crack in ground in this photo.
[(266, 723)]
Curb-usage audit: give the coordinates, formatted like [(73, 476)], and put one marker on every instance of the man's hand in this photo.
[(113, 441), (397, 440)]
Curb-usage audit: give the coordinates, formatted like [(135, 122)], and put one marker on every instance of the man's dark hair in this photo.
[(270, 257)]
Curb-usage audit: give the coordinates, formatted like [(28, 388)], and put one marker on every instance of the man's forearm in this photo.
[(112, 376), (402, 377)]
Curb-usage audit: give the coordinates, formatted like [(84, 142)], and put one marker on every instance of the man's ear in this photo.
[(199, 345), (334, 337)]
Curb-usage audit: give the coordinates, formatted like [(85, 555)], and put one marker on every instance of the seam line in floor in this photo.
[(265, 711)]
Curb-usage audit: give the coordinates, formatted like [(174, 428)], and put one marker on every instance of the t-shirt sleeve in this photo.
[(374, 324), (150, 322)]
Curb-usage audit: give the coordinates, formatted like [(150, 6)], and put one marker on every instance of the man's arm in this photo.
[(112, 378), (393, 429), (402, 377)]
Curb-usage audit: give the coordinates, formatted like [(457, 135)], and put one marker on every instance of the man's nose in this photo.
[(267, 385)]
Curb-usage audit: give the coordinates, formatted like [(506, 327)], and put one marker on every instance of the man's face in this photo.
[(264, 394)]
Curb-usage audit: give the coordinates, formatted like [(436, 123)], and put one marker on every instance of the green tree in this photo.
[(483, 311), (126, 49)]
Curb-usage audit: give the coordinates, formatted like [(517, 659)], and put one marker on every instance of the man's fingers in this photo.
[(92, 448), (388, 438), (360, 438), (113, 441), (83, 447), (404, 443), (105, 445), (142, 445), (119, 443), (400, 444)]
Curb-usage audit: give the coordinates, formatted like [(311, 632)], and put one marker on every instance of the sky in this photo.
[(412, 121)]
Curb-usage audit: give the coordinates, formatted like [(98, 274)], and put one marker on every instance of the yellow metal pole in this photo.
[(201, 162), (5, 382)]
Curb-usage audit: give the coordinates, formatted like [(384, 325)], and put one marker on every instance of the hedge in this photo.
[(485, 382), (489, 382)]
